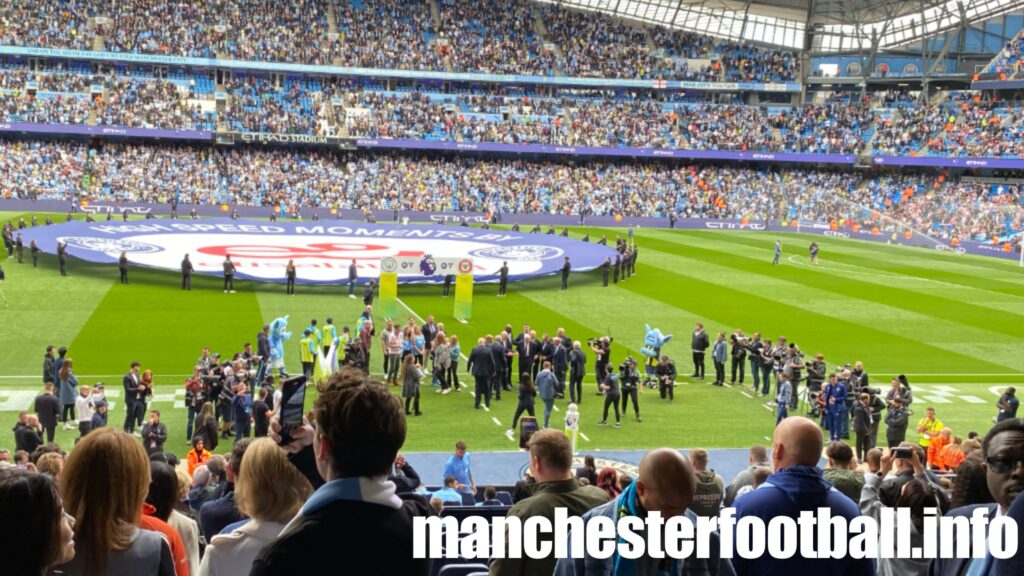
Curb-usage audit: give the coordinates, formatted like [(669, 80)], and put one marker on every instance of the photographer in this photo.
[(816, 373), (794, 363), (900, 390), (154, 433), (666, 374), (629, 378), (896, 420), (739, 355), (602, 356), (195, 397)]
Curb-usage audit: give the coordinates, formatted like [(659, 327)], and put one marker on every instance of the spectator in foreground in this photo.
[(182, 521), (216, 514), (710, 486), (841, 470), (1003, 453), (557, 487), (758, 458), (916, 495), (43, 535), (106, 481), (270, 492), (795, 486), (163, 490), (608, 480), (360, 426), (667, 484)]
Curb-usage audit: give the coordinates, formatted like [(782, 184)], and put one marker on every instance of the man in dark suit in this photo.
[(353, 275), (481, 366), (447, 289), (131, 397), (498, 358), (566, 267), (560, 362), (503, 279), (1003, 452), (429, 332), (186, 273), (527, 350)]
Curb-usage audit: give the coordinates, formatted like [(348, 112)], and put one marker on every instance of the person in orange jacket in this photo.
[(938, 442), (952, 455), (198, 455)]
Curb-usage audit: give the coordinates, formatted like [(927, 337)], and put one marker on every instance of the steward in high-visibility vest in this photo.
[(307, 353)]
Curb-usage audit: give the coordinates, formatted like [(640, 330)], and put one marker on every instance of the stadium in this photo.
[(622, 256)]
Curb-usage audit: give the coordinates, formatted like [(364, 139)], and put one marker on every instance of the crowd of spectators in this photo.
[(492, 36), (249, 176)]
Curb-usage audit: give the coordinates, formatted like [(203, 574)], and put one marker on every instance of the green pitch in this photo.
[(952, 323)]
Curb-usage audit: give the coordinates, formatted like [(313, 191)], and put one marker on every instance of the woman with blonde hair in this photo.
[(106, 479), (270, 491)]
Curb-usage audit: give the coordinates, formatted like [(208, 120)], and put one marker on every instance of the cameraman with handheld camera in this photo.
[(602, 348), (666, 374), (629, 381)]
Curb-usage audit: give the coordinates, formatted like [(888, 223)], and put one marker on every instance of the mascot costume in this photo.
[(653, 341), (278, 335)]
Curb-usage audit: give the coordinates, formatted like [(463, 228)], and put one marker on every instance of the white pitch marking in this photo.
[(484, 406), (584, 436), (495, 420), (944, 389), (937, 399), (746, 394), (556, 408), (973, 400)]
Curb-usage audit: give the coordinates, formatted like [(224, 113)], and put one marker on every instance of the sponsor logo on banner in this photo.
[(718, 225), (836, 233), (457, 218), (321, 252), (945, 248), (110, 245), (104, 209), (519, 253)]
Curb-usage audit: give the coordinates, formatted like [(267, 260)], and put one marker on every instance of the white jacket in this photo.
[(233, 554), (189, 532)]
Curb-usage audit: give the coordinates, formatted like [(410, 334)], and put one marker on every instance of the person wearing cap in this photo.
[(131, 397), (307, 350), (665, 371), (99, 417)]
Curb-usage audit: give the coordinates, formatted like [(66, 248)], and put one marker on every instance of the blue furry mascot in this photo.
[(653, 341), (277, 337)]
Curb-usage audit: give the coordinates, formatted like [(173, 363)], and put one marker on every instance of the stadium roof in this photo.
[(837, 25)]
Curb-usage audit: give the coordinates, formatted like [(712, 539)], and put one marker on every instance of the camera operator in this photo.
[(629, 379), (738, 355), (666, 374), (900, 390), (195, 396), (816, 371), (794, 364), (602, 348)]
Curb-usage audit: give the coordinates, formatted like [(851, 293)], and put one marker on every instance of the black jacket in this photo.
[(560, 359), (896, 420), (578, 362), (47, 368), (481, 362), (375, 538), (699, 341), (406, 481), (498, 356), (47, 408), (861, 418), (27, 439)]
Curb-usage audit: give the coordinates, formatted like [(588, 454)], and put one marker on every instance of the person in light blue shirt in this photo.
[(458, 466), (448, 494)]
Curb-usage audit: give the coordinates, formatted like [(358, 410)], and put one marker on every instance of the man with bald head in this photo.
[(667, 484), (796, 485)]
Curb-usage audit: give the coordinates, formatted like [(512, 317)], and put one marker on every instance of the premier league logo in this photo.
[(427, 265), (110, 245), (526, 253)]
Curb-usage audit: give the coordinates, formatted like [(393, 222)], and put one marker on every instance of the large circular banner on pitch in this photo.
[(322, 252)]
